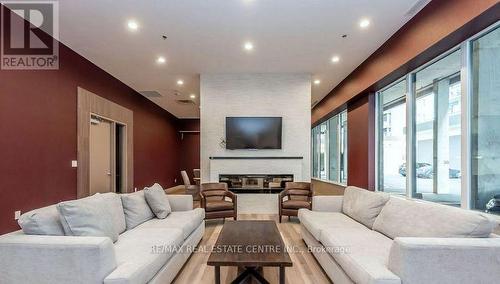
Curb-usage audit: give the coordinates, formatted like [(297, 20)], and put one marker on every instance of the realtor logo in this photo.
[(29, 33)]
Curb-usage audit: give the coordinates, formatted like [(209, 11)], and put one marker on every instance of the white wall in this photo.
[(284, 95)]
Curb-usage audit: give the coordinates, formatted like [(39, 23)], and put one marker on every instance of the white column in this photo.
[(441, 137)]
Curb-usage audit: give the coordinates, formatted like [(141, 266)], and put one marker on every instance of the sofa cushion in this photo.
[(157, 200), (142, 252), (362, 253), (187, 221), (42, 221), (66, 229), (114, 205), (136, 209), (87, 217), (315, 221), (414, 218), (363, 205)]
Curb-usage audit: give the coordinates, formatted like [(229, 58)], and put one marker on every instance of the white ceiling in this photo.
[(207, 36)]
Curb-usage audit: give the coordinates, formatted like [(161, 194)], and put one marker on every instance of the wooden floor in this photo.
[(305, 267)]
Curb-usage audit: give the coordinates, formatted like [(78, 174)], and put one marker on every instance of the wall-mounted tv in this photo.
[(253, 133)]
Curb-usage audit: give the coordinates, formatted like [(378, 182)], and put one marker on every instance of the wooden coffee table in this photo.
[(250, 245)]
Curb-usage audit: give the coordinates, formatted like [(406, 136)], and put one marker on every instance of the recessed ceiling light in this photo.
[(180, 82), (335, 59), (364, 23), (248, 46), (133, 25), (193, 96), (161, 60), (316, 82)]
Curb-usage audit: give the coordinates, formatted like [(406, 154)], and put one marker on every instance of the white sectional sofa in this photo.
[(371, 237), (153, 251)]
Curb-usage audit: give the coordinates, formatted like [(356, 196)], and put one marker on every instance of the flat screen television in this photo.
[(253, 133)]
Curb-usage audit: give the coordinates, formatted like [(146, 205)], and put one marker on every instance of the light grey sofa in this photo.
[(152, 252), (371, 237)]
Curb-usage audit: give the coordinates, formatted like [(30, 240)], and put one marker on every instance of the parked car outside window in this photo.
[(425, 170)]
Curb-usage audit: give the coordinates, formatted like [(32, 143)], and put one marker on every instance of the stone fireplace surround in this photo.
[(286, 95)]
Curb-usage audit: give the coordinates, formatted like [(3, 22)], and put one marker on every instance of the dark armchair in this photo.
[(214, 199), (298, 195)]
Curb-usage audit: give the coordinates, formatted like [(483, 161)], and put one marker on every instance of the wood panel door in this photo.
[(122, 120), (101, 156)]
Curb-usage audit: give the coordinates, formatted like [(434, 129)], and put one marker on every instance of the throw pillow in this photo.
[(88, 217), (42, 221), (136, 209), (157, 201)]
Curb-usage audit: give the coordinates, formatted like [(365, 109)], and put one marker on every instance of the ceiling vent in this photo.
[(419, 5), (151, 94), (185, 102)]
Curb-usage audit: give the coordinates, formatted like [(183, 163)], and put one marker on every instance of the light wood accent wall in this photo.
[(326, 188), (88, 104)]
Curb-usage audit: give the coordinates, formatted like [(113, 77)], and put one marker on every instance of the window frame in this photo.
[(341, 150), (466, 119), (468, 45), (379, 128)]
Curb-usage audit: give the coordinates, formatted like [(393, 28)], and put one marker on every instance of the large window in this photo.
[(323, 147), (438, 131), (392, 137), (343, 148), (329, 149), (439, 128), (333, 146), (315, 151), (485, 125)]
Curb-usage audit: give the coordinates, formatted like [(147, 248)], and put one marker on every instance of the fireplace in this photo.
[(255, 183)]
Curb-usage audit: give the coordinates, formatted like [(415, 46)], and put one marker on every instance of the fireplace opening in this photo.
[(253, 183)]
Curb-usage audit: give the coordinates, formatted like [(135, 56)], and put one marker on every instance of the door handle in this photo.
[(108, 173)]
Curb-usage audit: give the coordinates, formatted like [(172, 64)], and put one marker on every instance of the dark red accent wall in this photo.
[(38, 137), (361, 145), (190, 145)]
